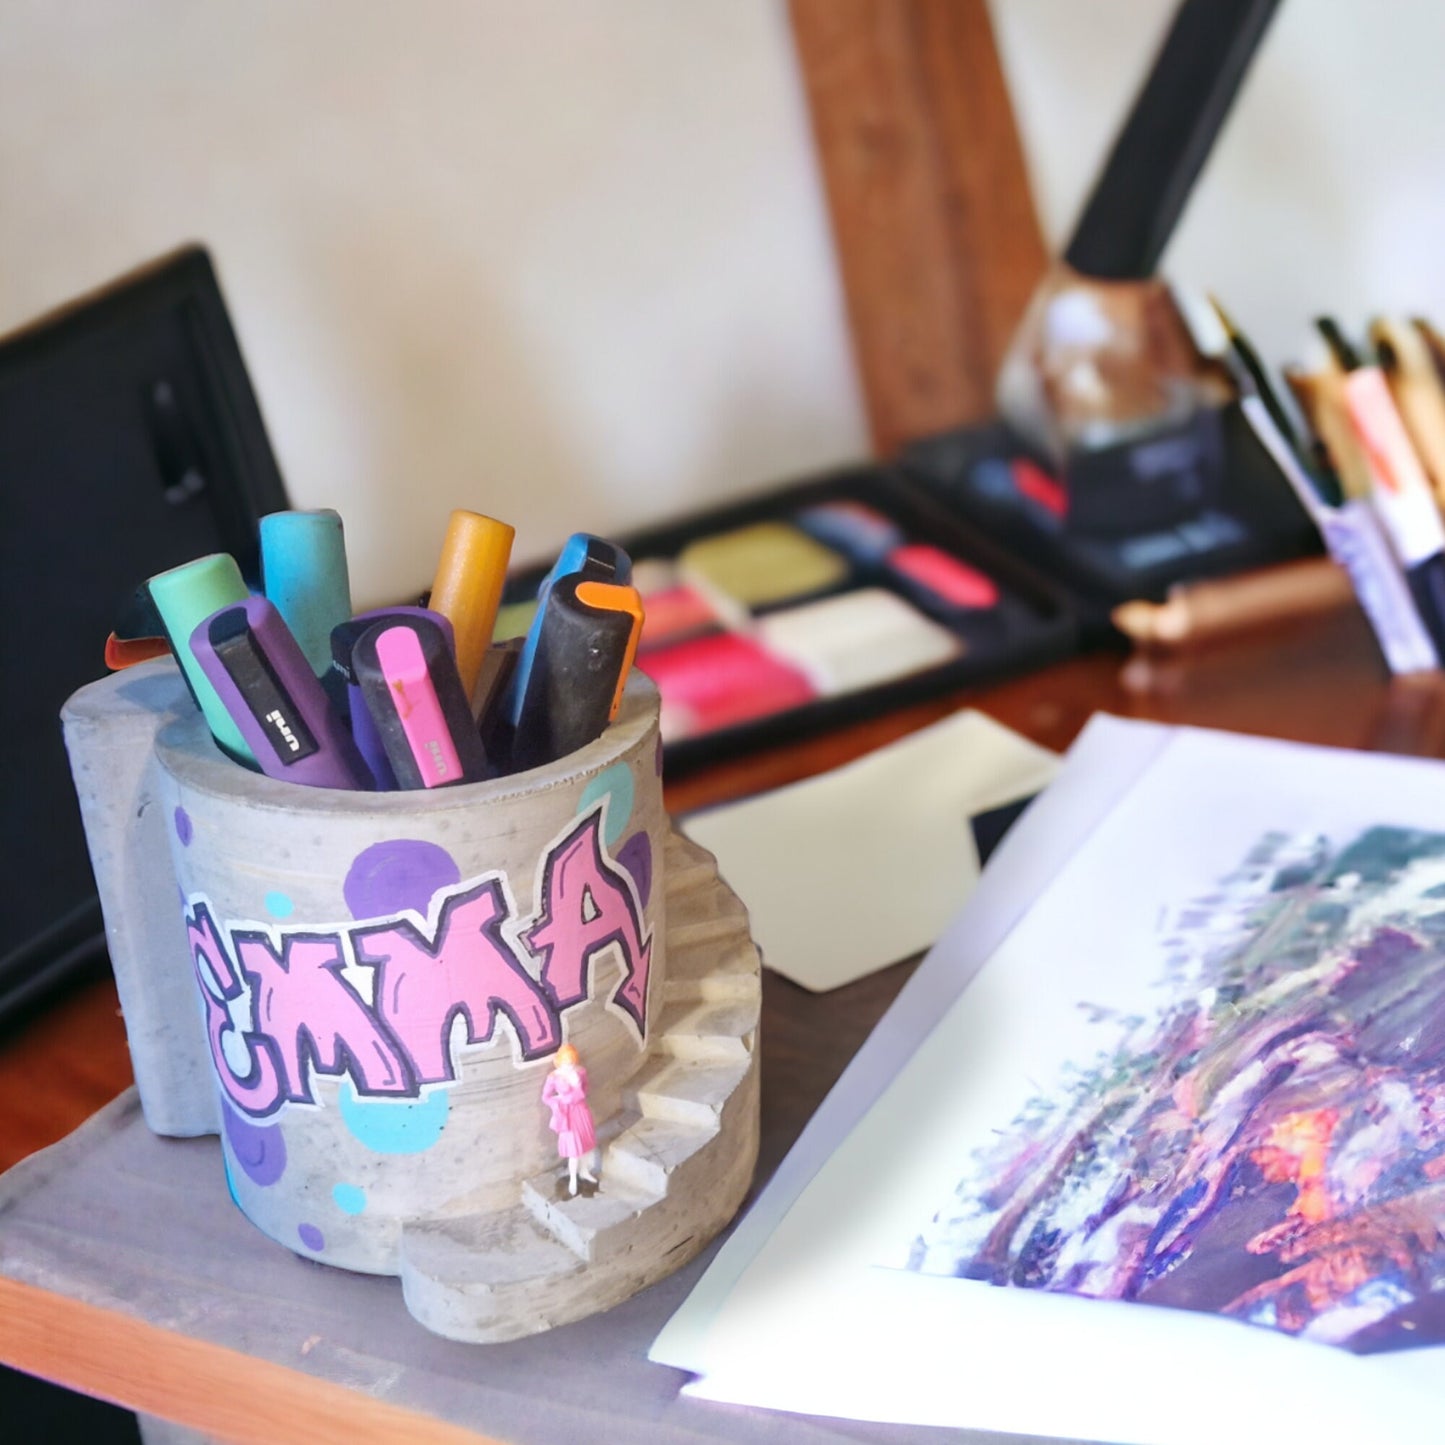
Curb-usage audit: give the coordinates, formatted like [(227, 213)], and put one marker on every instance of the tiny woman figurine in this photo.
[(565, 1094)]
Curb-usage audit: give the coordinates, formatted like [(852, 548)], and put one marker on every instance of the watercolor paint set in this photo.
[(818, 604)]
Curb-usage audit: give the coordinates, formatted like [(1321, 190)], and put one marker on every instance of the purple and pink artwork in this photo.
[(1267, 1144)]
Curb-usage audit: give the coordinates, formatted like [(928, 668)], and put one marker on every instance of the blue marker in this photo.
[(304, 576), (583, 554)]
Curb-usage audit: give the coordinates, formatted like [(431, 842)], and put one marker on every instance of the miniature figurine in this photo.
[(565, 1094)]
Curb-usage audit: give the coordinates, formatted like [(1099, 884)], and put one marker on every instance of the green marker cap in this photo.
[(185, 596)]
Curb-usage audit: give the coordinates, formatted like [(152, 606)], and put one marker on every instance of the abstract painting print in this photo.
[(1267, 1140)]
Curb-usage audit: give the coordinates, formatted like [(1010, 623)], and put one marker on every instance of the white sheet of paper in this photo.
[(849, 871), (803, 1311)]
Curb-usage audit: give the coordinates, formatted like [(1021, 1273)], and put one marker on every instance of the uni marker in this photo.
[(261, 675), (411, 688), (304, 573), (467, 589), (184, 597)]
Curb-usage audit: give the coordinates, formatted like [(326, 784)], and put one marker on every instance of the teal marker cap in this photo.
[(185, 596), (305, 578)]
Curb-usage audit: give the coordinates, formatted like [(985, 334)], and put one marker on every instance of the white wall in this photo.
[(564, 262), (1326, 191), (568, 262)]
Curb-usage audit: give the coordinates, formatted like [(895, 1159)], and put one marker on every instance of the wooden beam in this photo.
[(937, 238)]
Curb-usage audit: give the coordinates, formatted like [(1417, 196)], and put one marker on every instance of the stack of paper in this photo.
[(856, 868), (1152, 1148)]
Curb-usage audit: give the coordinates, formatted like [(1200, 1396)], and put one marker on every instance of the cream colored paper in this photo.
[(849, 871)]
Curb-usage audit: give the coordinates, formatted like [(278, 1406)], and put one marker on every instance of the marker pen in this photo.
[(139, 618), (585, 649), (184, 597), (1419, 397), (1320, 396), (1400, 491), (468, 586), (1311, 478), (304, 573), (344, 637), (411, 688), (497, 664), (266, 684), (138, 634), (1257, 393), (582, 555), (123, 652), (1351, 529)]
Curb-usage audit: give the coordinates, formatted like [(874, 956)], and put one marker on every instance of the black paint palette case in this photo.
[(815, 605), (985, 477)]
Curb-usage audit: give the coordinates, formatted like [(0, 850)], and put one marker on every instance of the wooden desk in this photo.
[(1318, 683)]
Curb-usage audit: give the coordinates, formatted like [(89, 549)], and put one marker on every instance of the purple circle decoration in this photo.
[(635, 855), (259, 1149), (392, 877), (184, 829), (312, 1238)]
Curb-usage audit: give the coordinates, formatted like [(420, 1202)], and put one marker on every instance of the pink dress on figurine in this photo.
[(565, 1093)]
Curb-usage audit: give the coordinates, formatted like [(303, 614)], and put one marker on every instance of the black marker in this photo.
[(583, 555), (586, 640), (412, 689), (341, 682)]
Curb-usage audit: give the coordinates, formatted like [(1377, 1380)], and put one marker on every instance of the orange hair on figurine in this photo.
[(564, 1092)]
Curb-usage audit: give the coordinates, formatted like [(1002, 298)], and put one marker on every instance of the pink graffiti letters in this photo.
[(587, 907), (293, 996), (259, 1090), (301, 1001), (468, 969)]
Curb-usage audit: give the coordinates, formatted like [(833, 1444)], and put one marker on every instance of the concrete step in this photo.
[(645, 1156), (708, 931), (728, 970), (487, 1277), (708, 1031), (592, 1222), (690, 869), (682, 1092)]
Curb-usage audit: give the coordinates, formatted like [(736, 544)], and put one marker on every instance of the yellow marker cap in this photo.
[(468, 586)]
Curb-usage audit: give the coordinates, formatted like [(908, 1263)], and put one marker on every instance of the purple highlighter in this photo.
[(264, 681)]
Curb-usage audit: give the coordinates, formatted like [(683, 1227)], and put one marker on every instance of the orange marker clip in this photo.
[(612, 597)]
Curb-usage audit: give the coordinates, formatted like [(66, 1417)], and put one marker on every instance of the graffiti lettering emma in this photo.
[(283, 1005)]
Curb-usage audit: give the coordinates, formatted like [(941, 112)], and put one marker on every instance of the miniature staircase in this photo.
[(675, 1163)]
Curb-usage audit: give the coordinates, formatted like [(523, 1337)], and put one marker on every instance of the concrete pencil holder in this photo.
[(366, 995)]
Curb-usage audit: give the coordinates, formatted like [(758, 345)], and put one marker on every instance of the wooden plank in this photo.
[(937, 238), (207, 1387), (59, 1066)]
